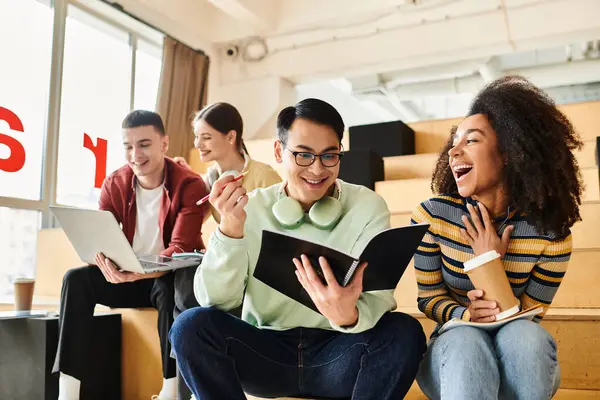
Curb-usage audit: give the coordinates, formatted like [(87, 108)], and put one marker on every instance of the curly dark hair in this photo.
[(537, 139)]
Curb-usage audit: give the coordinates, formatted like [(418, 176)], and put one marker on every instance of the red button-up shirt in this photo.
[(179, 218)]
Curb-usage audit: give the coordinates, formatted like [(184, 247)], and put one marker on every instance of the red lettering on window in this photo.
[(16, 159), (100, 153)]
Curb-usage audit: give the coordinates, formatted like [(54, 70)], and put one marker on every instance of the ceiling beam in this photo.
[(490, 71), (407, 113), (425, 43), (257, 14)]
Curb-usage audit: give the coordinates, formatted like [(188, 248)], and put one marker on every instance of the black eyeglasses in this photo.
[(306, 158)]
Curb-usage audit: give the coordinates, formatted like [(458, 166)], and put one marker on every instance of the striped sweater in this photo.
[(535, 264)]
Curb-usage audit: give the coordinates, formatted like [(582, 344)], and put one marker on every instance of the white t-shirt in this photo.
[(148, 239)]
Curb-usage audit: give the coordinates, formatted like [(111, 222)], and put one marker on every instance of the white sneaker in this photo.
[(157, 397)]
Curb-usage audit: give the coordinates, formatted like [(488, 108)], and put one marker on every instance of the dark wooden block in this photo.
[(387, 139), (362, 167), (28, 348)]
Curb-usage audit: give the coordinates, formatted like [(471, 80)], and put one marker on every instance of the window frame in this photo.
[(113, 16)]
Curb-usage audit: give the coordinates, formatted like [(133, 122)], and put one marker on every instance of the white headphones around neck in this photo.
[(324, 214)]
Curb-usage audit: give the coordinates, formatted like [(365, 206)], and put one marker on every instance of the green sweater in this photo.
[(228, 266)]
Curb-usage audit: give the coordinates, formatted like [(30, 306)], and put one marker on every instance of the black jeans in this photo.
[(85, 287), (184, 300), (221, 356)]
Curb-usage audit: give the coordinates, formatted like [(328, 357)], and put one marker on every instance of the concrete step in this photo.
[(585, 117), (410, 167), (569, 394), (422, 165), (592, 184), (404, 194), (576, 332), (586, 157), (431, 136), (562, 394)]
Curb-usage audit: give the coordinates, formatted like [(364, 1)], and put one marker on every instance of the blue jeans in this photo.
[(221, 356), (516, 362)]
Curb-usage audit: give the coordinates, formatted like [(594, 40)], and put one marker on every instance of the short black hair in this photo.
[(314, 110), (144, 118)]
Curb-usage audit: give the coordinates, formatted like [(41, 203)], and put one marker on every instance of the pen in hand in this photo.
[(205, 198)]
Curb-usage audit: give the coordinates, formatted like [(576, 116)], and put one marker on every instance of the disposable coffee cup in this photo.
[(23, 289), (487, 273)]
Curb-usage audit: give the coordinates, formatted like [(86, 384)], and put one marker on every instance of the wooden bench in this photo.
[(141, 361), (576, 329)]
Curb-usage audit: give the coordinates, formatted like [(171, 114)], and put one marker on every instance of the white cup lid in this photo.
[(481, 260)]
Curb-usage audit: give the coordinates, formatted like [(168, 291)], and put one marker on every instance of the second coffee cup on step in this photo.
[(487, 273), (23, 288)]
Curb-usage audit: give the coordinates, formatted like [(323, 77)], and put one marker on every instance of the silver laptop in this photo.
[(95, 231)]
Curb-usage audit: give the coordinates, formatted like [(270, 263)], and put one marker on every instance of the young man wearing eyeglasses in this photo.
[(355, 347)]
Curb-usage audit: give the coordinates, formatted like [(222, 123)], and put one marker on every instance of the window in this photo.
[(147, 75), (26, 41), (110, 64), (18, 230), (96, 96)]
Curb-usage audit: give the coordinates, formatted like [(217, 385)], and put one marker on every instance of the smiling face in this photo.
[(145, 150), (212, 144), (308, 184), (476, 162)]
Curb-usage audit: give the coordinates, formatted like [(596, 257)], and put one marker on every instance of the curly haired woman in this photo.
[(507, 181)]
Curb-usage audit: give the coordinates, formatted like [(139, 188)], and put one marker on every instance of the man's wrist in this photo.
[(231, 228), (350, 321)]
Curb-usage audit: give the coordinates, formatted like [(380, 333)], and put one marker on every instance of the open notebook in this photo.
[(388, 254), (492, 326)]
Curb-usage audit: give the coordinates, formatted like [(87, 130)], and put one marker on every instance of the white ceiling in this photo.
[(407, 59)]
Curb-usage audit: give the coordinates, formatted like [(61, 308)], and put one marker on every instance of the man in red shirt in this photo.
[(154, 199)]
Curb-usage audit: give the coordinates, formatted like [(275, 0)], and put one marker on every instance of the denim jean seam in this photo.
[(554, 347), (256, 352), (554, 357), (341, 355), (442, 368)]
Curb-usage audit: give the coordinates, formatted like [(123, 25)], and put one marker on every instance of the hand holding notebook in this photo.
[(388, 254), (527, 314)]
